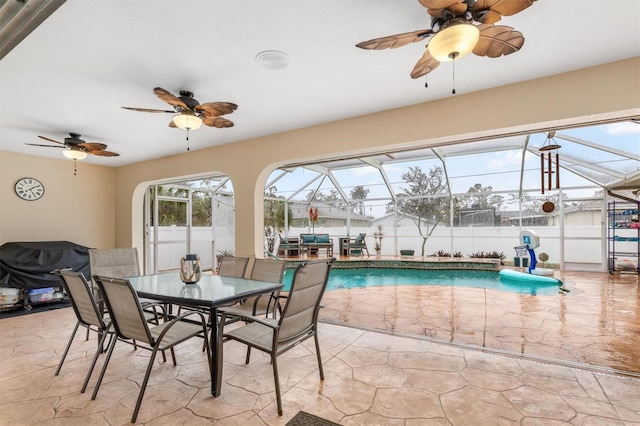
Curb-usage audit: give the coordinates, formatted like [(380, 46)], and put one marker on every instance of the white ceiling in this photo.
[(75, 71)]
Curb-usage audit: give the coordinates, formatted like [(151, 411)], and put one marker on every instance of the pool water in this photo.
[(371, 277)]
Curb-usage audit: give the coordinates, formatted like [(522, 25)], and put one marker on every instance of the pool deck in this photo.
[(596, 324)]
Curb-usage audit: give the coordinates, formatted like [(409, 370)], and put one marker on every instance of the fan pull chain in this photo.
[(426, 83), (75, 169), (187, 139), (453, 90)]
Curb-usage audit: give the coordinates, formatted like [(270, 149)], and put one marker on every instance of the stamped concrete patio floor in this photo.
[(546, 361), (597, 322)]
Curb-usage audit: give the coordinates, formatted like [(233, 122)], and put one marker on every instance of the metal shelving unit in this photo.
[(623, 237)]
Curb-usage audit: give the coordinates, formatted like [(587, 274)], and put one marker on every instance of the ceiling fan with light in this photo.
[(189, 114), (76, 148), (459, 27)]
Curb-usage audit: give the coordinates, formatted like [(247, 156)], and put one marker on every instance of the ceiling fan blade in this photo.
[(503, 7), (487, 16), (172, 124), (218, 122), (101, 153), (211, 109), (498, 40), (92, 146), (437, 7), (47, 146), (169, 98), (393, 41), (425, 65), (50, 140), (148, 110)]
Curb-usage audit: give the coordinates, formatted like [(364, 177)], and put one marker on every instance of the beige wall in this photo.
[(78, 208), (74, 208)]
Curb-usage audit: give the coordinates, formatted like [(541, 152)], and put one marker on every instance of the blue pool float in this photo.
[(512, 275)]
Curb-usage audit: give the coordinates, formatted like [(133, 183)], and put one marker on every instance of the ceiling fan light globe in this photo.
[(187, 121), (74, 154), (454, 42)]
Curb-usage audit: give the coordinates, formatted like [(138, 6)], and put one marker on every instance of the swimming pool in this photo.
[(371, 277)]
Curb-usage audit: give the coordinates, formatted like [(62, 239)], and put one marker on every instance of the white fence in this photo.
[(583, 244)]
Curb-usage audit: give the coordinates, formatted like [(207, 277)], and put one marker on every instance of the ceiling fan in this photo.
[(76, 148), (189, 114), (454, 32)]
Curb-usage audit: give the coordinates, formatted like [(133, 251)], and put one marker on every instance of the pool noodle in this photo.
[(528, 278)]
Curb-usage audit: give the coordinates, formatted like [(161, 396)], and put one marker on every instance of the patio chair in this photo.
[(129, 323), (229, 266), (88, 315), (358, 246), (115, 263), (289, 246), (298, 322), (263, 270), (233, 266)]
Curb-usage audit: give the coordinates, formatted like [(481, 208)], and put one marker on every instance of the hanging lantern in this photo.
[(549, 168)]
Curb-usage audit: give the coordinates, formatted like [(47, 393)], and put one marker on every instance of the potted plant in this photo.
[(377, 235), (223, 253)]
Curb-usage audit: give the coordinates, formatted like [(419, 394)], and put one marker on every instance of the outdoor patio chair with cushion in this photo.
[(289, 246), (298, 322), (357, 246), (129, 322)]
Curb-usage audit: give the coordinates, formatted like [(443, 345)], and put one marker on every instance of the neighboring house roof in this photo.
[(325, 211)]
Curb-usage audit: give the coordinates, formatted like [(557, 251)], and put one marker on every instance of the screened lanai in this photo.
[(458, 199)]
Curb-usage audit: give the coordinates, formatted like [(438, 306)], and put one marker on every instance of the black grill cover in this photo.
[(30, 263)]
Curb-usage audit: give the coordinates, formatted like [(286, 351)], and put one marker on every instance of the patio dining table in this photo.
[(210, 293)]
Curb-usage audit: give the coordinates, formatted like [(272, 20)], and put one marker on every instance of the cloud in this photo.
[(364, 171), (626, 128), (505, 160)]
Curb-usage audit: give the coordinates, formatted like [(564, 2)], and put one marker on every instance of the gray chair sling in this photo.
[(87, 312), (129, 322), (232, 266), (116, 263), (263, 270), (298, 322)]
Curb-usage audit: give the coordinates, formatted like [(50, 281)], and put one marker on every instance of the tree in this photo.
[(201, 212), (358, 194), (480, 198), (334, 198), (418, 200), (274, 210), (534, 204)]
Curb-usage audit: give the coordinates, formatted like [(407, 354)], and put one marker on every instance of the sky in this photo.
[(498, 168)]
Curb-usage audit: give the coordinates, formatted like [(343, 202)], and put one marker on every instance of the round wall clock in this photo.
[(29, 189)]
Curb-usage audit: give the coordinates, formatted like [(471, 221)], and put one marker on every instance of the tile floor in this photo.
[(545, 362)]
